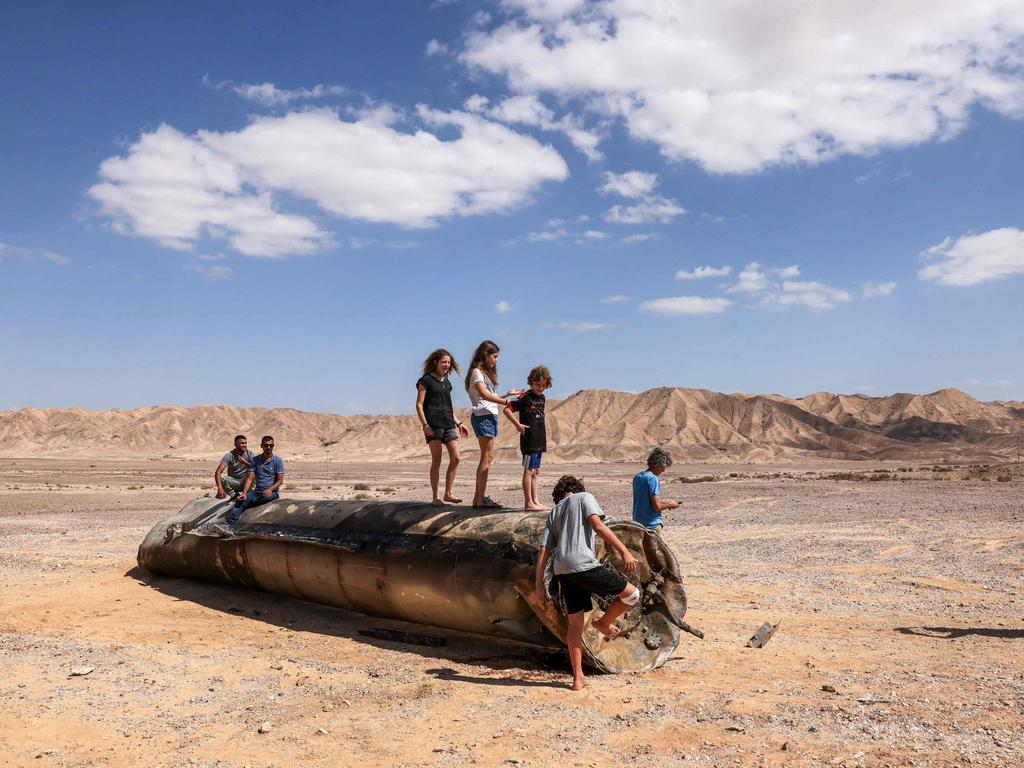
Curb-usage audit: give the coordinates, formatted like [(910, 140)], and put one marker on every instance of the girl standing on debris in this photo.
[(440, 427), (482, 384)]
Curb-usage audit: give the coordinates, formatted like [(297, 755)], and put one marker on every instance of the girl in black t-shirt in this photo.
[(434, 408)]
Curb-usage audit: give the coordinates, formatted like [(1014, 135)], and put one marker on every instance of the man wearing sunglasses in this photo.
[(261, 484)]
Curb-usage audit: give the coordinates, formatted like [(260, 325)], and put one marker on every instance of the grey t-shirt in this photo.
[(569, 534), (235, 467)]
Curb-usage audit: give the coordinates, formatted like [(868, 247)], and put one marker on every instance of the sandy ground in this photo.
[(900, 640)]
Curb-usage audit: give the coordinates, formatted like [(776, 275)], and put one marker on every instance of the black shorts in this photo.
[(577, 587)]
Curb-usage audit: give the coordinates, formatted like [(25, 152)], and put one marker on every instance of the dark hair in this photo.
[(566, 484), (435, 357), (265, 438), (541, 374), (659, 456), (485, 348), (240, 437)]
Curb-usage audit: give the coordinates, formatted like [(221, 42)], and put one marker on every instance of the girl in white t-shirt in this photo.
[(481, 384)]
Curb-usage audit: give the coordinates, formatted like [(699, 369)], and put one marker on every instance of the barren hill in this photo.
[(591, 425)]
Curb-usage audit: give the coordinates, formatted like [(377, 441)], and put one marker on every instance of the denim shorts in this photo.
[(531, 460), (485, 426), (444, 435)]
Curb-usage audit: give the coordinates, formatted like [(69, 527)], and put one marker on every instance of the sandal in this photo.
[(489, 503)]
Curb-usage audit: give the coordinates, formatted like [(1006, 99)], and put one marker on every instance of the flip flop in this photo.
[(489, 503)]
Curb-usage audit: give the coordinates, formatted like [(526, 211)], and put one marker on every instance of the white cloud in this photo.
[(177, 188), (579, 326), (686, 305), (974, 259), (502, 307), (655, 209), (701, 273), (546, 236), (617, 299), (633, 184), (810, 294), (436, 48), (529, 110), (638, 238), (738, 87), (772, 287), (871, 290), (32, 254), (269, 95), (595, 234)]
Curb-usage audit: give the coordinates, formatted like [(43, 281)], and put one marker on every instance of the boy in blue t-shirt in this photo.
[(647, 502)]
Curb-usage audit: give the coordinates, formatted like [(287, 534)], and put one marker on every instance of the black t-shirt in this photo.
[(437, 402), (530, 408)]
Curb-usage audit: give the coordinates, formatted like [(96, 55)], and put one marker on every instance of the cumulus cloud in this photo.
[(616, 299), (595, 234), (701, 273), (751, 279), (530, 110), (579, 326), (270, 95), (32, 254), (502, 307), (738, 87), (657, 209), (638, 238), (974, 259), (436, 48), (772, 286), (546, 236), (686, 305), (177, 188), (871, 290), (629, 184)]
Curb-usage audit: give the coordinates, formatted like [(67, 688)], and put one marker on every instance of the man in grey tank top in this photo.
[(231, 472), (569, 538)]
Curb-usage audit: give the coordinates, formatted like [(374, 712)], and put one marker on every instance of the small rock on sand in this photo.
[(80, 671), (264, 728)]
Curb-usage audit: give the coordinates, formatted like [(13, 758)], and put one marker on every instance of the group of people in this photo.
[(524, 408), (572, 525)]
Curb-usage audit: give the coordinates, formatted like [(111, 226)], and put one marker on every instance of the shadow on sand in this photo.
[(954, 633), (301, 616), (445, 673)]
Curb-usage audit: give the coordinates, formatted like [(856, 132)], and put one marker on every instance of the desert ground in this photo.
[(900, 639)]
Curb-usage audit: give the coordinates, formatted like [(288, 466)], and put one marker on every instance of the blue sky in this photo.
[(292, 204)]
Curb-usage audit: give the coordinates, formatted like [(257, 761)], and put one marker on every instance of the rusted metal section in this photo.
[(453, 567)]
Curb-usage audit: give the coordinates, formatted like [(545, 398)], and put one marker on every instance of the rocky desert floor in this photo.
[(900, 640)]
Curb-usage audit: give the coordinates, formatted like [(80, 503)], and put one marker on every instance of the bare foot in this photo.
[(452, 499), (437, 503), (609, 632), (577, 685), (537, 508)]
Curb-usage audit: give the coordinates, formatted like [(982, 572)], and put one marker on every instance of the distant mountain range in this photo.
[(591, 425)]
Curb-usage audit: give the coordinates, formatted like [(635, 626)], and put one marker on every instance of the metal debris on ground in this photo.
[(763, 635), (404, 637)]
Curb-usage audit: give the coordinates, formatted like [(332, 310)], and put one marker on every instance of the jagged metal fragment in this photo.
[(454, 567)]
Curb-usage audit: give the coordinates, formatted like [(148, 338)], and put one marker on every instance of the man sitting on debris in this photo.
[(265, 477), (647, 502), (569, 535), (233, 468)]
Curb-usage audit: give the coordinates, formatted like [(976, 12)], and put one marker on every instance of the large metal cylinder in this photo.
[(455, 567)]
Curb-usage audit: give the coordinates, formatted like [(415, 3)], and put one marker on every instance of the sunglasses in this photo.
[(268, 445)]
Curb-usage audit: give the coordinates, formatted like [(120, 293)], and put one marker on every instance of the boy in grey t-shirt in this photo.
[(231, 472), (569, 537)]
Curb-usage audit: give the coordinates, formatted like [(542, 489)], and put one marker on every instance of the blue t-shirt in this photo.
[(645, 485), (266, 471)]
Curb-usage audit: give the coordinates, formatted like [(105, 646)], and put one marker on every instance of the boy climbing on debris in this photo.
[(569, 536)]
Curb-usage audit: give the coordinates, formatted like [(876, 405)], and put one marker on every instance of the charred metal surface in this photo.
[(454, 567)]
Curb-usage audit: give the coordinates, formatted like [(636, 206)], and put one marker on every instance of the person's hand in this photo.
[(673, 505), (522, 428), (221, 494), (628, 562), (541, 595), (515, 392), (463, 430), (268, 492), (427, 430)]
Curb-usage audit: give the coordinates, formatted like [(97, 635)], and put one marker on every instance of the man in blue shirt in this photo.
[(265, 477), (647, 502)]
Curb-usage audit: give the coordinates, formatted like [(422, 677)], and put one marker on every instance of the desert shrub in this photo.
[(1003, 479), (360, 487), (734, 474), (701, 479), (881, 477), (315, 488), (362, 496), (135, 487), (846, 476), (386, 489)]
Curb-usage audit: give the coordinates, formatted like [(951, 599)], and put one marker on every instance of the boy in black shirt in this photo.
[(534, 440)]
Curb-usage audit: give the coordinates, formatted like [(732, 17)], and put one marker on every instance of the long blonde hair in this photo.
[(485, 348)]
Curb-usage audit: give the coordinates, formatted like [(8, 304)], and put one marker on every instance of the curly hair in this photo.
[(541, 374), (430, 364), (566, 485), (659, 456)]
